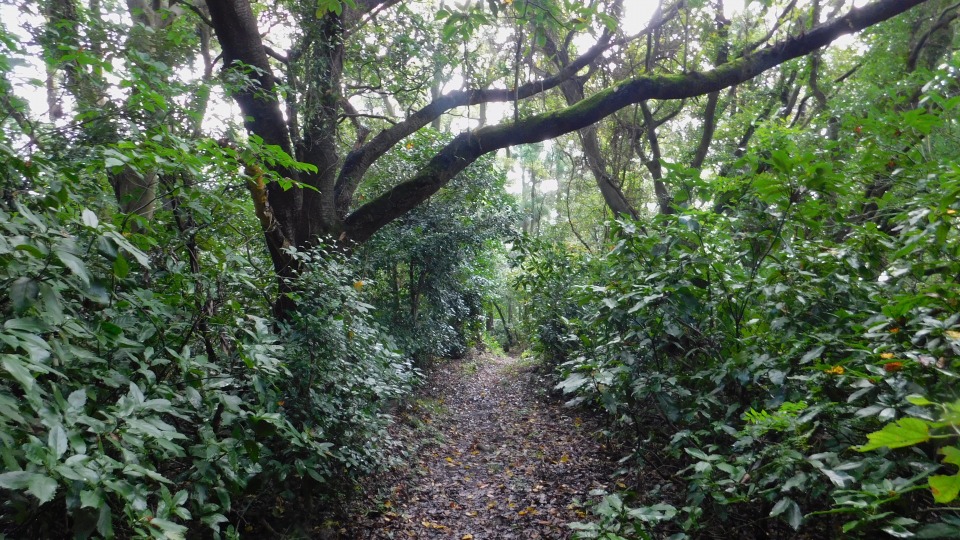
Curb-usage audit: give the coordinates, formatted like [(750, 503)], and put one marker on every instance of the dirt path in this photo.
[(489, 457)]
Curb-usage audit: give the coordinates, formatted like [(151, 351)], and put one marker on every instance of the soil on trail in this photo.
[(489, 456)]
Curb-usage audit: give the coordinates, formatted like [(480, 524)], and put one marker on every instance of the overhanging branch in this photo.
[(359, 161), (468, 147)]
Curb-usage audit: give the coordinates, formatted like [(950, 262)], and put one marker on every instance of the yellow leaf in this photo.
[(564, 458), (472, 513), (952, 334), (467, 537), (432, 525)]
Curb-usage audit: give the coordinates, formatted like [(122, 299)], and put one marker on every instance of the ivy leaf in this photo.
[(905, 432)]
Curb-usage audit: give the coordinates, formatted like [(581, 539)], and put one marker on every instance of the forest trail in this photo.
[(491, 456)]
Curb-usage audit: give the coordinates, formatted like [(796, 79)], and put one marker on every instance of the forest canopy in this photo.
[(234, 232)]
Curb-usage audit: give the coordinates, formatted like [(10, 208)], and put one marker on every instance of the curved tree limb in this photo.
[(468, 147), (359, 161)]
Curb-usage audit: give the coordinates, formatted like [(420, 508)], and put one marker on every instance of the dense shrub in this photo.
[(770, 336), (430, 270), (143, 388)]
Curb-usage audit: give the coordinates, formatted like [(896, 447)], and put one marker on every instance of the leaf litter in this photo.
[(486, 453)]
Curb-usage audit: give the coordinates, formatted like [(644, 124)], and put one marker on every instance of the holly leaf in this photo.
[(905, 432)]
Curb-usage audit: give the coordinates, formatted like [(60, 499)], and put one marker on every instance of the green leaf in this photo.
[(787, 506), (26, 324), (812, 354), (112, 162), (170, 529), (90, 499), (125, 244), (51, 304), (77, 399), (89, 218), (105, 522), (74, 263), (838, 478), (23, 293), (939, 530), (945, 488), (121, 268), (919, 400), (19, 372), (951, 455), (57, 441), (40, 486), (905, 432), (572, 383)]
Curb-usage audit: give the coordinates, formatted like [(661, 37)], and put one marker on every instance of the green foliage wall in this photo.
[(770, 336), (433, 271), (144, 390)]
